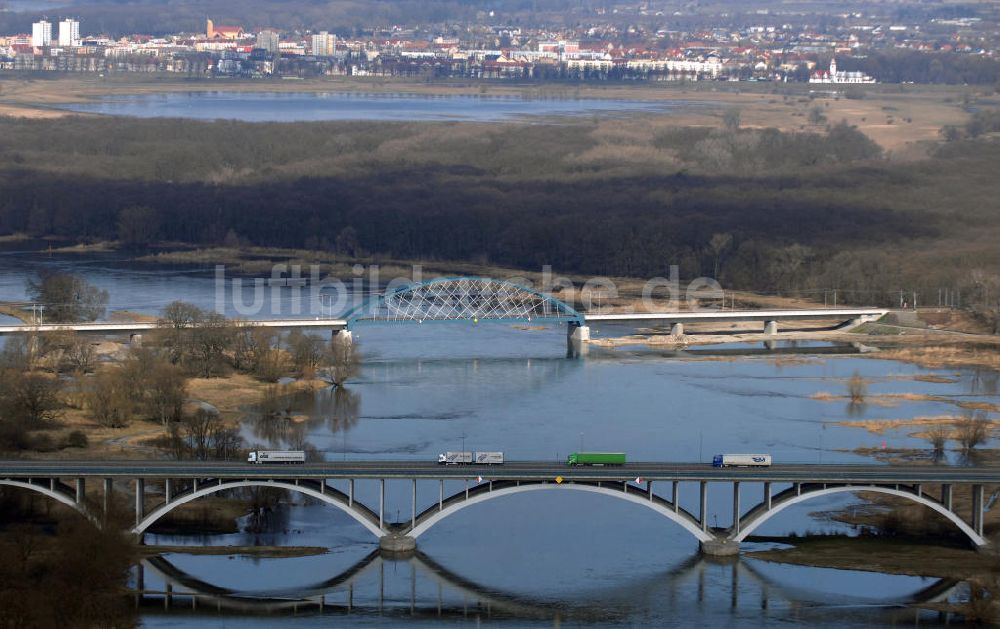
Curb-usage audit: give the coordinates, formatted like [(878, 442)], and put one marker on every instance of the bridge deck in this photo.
[(740, 315), (143, 326), (520, 470), (340, 324)]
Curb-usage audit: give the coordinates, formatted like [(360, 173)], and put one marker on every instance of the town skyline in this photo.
[(863, 46)]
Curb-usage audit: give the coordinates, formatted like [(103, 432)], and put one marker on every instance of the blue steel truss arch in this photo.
[(462, 299)]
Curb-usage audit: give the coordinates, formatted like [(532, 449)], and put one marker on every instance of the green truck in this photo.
[(596, 458)]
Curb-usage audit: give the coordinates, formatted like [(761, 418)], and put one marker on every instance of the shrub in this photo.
[(857, 389), (43, 442), (77, 439)]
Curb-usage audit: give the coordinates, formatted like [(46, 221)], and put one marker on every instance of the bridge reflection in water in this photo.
[(415, 586)]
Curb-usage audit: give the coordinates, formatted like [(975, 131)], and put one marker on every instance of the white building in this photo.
[(69, 33), (323, 44), (839, 76), (41, 34), (269, 41)]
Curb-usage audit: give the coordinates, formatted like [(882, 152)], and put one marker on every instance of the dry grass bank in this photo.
[(885, 556), (880, 426), (972, 353)]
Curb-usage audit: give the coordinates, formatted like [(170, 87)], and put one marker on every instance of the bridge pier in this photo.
[(394, 543), (770, 327), (577, 337), (140, 498), (109, 488), (677, 330), (720, 548), (343, 337), (977, 509), (135, 339), (736, 507), (703, 501), (578, 333)]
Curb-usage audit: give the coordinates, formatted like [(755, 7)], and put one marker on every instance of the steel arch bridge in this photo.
[(463, 299)]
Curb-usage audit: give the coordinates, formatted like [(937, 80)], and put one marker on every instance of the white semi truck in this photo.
[(741, 460), (264, 457), (470, 458)]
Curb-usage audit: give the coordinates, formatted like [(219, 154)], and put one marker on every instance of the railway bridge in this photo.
[(476, 299), (677, 492)]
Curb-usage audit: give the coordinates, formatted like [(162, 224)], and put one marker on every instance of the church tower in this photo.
[(209, 29), (833, 68)]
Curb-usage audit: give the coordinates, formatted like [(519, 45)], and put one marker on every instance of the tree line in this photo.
[(43, 376)]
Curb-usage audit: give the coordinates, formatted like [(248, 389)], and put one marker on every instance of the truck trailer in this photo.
[(596, 458), (741, 460), (470, 458), (489, 458), (262, 457), (455, 458)]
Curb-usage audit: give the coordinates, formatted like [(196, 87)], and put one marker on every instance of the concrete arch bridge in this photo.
[(677, 492)]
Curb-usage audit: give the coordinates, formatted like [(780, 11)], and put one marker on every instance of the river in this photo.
[(545, 557)]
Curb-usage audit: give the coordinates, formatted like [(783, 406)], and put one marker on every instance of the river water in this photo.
[(297, 107), (543, 558)]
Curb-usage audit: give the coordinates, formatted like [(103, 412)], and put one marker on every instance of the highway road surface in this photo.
[(512, 470)]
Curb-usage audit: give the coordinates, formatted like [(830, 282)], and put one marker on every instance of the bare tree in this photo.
[(20, 352), (719, 244), (307, 352), (857, 389), (206, 436), (79, 355), (343, 362), (973, 430), (246, 344), (67, 297), (108, 399), (938, 436), (165, 393), (174, 327), (30, 399), (209, 342)]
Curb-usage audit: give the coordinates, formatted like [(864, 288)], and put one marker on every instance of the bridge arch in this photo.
[(659, 506), (58, 496), (759, 519), (328, 498), (462, 299)]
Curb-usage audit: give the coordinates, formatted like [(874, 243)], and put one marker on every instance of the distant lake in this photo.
[(299, 106)]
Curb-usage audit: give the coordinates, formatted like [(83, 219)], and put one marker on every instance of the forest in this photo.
[(914, 66), (761, 209)]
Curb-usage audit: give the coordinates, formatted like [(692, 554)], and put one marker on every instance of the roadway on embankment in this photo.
[(513, 470)]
